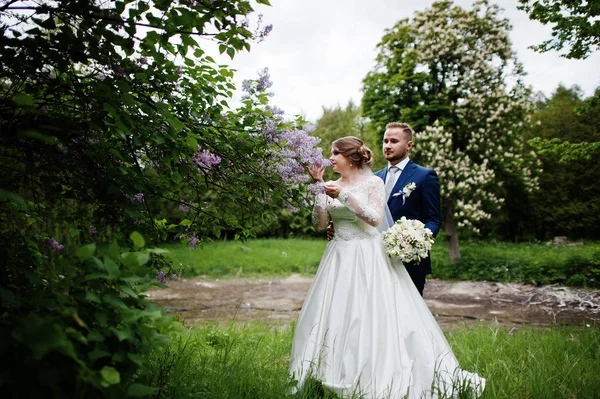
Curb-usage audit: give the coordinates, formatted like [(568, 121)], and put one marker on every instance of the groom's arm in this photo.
[(430, 204)]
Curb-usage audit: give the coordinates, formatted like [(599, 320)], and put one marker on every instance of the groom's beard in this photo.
[(395, 157)]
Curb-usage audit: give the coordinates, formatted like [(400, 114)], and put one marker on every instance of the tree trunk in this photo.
[(450, 228)]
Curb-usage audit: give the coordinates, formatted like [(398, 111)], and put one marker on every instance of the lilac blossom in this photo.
[(162, 277), (139, 197), (257, 86), (291, 208), (205, 160), (184, 207), (193, 241), (264, 80), (316, 188), (92, 230), (55, 245)]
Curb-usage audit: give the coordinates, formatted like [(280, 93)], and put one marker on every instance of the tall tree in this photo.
[(568, 202), (451, 73), (338, 122), (575, 25)]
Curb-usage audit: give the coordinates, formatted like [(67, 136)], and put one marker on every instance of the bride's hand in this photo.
[(332, 190), (317, 174)]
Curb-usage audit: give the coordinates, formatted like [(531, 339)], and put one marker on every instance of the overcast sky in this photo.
[(320, 50)]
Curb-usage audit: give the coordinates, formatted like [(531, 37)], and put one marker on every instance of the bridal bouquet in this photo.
[(408, 240)]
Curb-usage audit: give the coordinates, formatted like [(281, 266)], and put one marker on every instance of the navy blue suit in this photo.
[(423, 204)]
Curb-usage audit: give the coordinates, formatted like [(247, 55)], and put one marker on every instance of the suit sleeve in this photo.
[(430, 206)]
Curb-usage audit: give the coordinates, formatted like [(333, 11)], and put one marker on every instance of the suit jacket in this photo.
[(423, 203)]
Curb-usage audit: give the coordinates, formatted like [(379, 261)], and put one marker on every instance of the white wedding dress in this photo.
[(364, 330)]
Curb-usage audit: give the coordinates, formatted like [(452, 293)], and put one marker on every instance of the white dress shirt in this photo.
[(400, 165)]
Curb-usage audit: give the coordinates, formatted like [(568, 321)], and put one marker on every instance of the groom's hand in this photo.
[(330, 231)]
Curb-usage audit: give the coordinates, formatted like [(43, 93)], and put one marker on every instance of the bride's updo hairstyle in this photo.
[(355, 150)]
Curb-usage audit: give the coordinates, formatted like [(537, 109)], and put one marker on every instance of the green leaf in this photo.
[(222, 48), (137, 239), (112, 268), (110, 376), (123, 334), (37, 136), (136, 358), (86, 252), (114, 249), (74, 232), (10, 196), (231, 52), (23, 100), (135, 259), (92, 297), (138, 390), (127, 290), (266, 2), (191, 142), (98, 354)]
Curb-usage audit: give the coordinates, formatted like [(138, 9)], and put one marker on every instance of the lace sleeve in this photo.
[(319, 213), (369, 210)]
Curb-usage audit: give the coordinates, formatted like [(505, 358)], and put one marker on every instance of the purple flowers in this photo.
[(297, 149), (184, 208), (193, 241), (92, 230), (137, 197), (205, 160), (162, 277), (55, 245), (257, 86)]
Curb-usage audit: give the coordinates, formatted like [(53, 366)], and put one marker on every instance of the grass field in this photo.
[(252, 361), (492, 261)]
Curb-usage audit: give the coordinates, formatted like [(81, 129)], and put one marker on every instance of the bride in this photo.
[(364, 329)]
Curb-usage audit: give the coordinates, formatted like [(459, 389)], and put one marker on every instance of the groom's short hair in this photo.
[(406, 129)]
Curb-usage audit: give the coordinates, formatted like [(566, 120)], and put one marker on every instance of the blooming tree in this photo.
[(451, 73), (115, 127)]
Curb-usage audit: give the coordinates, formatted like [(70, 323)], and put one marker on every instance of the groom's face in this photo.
[(395, 145)]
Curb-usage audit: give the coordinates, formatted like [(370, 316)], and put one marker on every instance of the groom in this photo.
[(422, 203)]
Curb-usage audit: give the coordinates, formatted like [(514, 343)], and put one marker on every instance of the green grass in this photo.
[(252, 361), (492, 261), (235, 258)]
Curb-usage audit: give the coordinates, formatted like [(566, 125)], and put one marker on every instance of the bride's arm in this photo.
[(369, 210)]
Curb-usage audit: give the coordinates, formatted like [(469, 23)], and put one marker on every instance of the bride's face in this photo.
[(339, 162)]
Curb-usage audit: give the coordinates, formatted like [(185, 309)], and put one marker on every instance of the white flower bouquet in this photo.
[(408, 240)]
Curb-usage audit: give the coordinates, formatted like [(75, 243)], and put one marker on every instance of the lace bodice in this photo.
[(356, 212)]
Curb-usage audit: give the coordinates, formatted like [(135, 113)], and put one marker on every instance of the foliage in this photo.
[(568, 200), (452, 75), (539, 264), (82, 329), (252, 362), (338, 122), (115, 124), (587, 113), (575, 25)]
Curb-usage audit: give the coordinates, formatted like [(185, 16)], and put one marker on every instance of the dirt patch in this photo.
[(452, 303)]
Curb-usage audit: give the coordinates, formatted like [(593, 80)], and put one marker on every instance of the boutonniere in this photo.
[(406, 191)]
